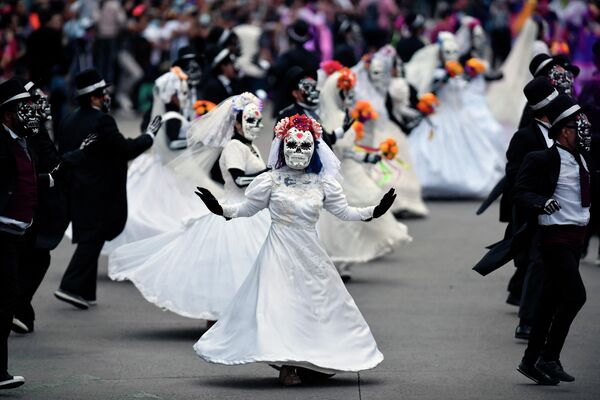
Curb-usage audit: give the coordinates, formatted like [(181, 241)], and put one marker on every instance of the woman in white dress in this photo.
[(375, 73), (353, 242), (195, 270), (293, 311), (456, 150)]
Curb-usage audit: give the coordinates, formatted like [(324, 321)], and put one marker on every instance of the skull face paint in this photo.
[(561, 79), (28, 117), (584, 134), (378, 74), (106, 101), (42, 105), (193, 71), (310, 93), (251, 121), (449, 49), (348, 98), (298, 148)]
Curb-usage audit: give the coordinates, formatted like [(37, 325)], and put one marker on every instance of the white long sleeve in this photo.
[(258, 195), (336, 203)]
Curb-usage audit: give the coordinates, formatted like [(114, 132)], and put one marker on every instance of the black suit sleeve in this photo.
[(517, 150), (526, 192), (117, 143)]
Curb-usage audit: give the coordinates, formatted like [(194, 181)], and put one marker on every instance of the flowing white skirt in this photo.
[(357, 241), (292, 309), (157, 201), (457, 151), (195, 270)]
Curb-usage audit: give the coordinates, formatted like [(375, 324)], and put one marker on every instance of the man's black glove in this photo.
[(372, 158), (551, 207), (348, 121), (209, 200), (385, 204)]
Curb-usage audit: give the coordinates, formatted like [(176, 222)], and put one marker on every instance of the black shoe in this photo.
[(513, 300), (72, 299), (346, 278), (11, 382), (536, 375), (522, 332), (554, 369), (21, 326)]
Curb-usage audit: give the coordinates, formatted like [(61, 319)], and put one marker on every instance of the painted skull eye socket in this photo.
[(250, 120), (306, 146), (291, 145)]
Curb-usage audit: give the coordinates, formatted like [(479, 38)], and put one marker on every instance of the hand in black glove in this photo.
[(551, 207), (348, 121), (372, 158), (154, 126), (385, 204), (209, 200), (89, 142), (60, 172)]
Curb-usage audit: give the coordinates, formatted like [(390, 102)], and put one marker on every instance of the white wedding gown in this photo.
[(293, 308), (458, 151), (196, 269)]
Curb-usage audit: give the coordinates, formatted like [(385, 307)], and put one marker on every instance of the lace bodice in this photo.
[(295, 199)]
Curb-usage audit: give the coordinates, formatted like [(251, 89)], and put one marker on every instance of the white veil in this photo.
[(206, 137), (505, 97)]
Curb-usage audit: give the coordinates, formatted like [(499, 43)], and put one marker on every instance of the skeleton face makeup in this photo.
[(378, 75), (28, 117), (310, 93), (449, 50), (251, 121), (42, 105), (348, 97), (106, 101), (298, 148), (193, 71), (561, 79), (584, 134)]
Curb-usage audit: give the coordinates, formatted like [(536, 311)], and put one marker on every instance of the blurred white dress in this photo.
[(457, 151), (195, 270), (293, 308)]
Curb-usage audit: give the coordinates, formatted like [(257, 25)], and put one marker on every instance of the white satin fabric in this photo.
[(293, 308), (196, 269), (458, 152)]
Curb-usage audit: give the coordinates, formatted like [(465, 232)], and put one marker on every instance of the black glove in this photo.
[(154, 126), (348, 121), (385, 204), (551, 206), (209, 200), (372, 158)]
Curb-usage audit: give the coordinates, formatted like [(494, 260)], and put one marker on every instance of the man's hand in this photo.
[(89, 141), (209, 200), (551, 206), (385, 203), (154, 126), (59, 172), (372, 158)]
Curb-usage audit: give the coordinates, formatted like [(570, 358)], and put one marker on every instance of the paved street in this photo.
[(446, 333)]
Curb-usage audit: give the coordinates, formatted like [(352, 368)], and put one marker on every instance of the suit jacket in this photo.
[(215, 91), (527, 116), (97, 190), (535, 185), (296, 108)]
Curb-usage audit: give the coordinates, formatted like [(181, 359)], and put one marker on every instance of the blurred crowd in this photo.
[(132, 42)]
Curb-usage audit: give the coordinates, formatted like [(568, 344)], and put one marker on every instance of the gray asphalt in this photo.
[(446, 333)]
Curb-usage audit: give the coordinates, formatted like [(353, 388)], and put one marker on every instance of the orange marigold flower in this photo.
[(474, 67), (331, 66), (454, 68), (363, 111), (389, 148), (203, 106), (427, 103), (347, 79)]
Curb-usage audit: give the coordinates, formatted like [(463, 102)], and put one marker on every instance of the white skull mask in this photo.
[(478, 38), (449, 49), (298, 148), (251, 121), (378, 74), (348, 98)]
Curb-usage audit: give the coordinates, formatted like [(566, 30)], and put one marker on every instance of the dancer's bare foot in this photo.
[(209, 324), (288, 376)]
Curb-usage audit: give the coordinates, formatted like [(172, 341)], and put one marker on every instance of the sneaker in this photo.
[(21, 327), (536, 375), (522, 332), (11, 382), (72, 299), (554, 369)]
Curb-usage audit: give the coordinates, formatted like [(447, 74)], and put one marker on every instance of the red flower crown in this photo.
[(300, 122), (347, 79)]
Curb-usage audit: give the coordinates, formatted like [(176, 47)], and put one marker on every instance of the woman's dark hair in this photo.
[(314, 167)]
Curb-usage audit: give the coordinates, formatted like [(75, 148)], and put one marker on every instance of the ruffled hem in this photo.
[(279, 361)]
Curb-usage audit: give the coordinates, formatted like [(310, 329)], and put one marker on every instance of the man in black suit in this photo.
[(297, 55), (223, 81), (553, 187), (97, 191)]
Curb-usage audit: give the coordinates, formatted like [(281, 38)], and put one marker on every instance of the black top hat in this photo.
[(184, 54), (560, 111), (12, 91), (564, 62), (220, 56), (299, 32), (540, 64), (219, 36), (88, 81), (294, 75), (414, 21), (539, 92)]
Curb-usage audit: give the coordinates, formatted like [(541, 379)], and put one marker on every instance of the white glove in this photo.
[(551, 206), (154, 126)]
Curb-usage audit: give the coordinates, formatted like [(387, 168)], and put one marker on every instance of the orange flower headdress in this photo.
[(347, 79), (331, 66), (300, 122), (559, 47), (203, 107)]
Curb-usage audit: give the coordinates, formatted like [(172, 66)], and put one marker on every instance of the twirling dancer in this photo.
[(195, 270), (354, 242), (293, 310)]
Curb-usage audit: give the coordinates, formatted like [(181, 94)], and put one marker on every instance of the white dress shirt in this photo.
[(544, 129), (568, 194)]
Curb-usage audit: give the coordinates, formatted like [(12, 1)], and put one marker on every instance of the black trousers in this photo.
[(563, 295), (33, 265), (82, 272), (534, 281), (9, 292)]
